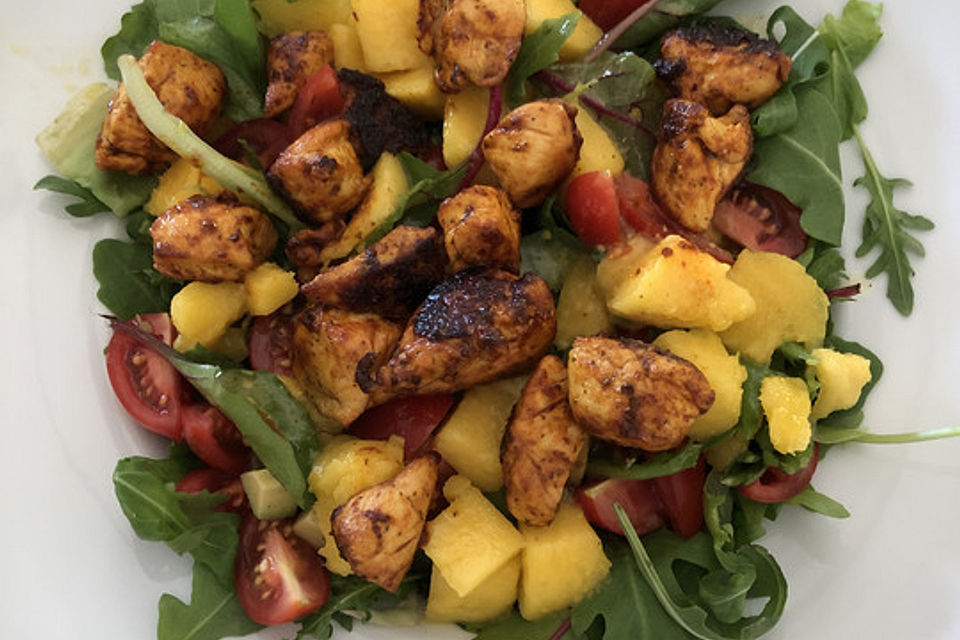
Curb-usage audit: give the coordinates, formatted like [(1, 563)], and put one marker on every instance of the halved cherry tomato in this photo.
[(761, 219), (147, 385), (157, 324), (216, 481), (637, 497), (413, 417), (319, 99), (639, 209), (278, 577), (682, 496), (593, 209), (607, 13), (776, 486), (270, 343), (214, 438), (266, 137)]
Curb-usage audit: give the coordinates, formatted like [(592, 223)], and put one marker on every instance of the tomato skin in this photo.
[(216, 481), (278, 577), (761, 219), (266, 137), (593, 208), (270, 343), (639, 209), (607, 13), (159, 325), (413, 417), (776, 486), (319, 99), (214, 438), (146, 384), (637, 497), (682, 496)]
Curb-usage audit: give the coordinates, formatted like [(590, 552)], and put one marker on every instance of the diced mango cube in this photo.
[(581, 310), (842, 377), (347, 52), (786, 403), (182, 180), (388, 34), (490, 599), (599, 152), (282, 16), (268, 288), (202, 311), (417, 90), (580, 41), (464, 117)]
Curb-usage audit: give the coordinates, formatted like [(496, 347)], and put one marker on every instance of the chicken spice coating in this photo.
[(320, 174), (533, 149), (391, 277), (378, 530), (541, 445), (481, 228), (305, 248), (474, 327), (471, 40), (291, 59), (189, 87), (633, 394), (213, 239), (327, 346), (697, 159), (720, 66)]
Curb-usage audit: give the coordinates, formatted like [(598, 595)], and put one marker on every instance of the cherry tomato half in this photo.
[(761, 219), (637, 497), (413, 417), (270, 343), (608, 13), (214, 438), (682, 496), (319, 99), (266, 137), (216, 481), (593, 209), (639, 209), (776, 486)]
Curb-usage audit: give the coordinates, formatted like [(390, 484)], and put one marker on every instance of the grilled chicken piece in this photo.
[(214, 239), (291, 59), (327, 346), (471, 40), (631, 393), (390, 278), (481, 229), (305, 248), (378, 530), (541, 446), (533, 149), (188, 87), (722, 66), (320, 173), (474, 327), (697, 159)]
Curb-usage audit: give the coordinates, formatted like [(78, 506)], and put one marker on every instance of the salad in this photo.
[(210, 373)]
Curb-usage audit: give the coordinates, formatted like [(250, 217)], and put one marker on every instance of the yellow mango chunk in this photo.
[(417, 90), (786, 403), (790, 306), (470, 438), (202, 311), (490, 599), (723, 371), (268, 288), (842, 377), (388, 34), (182, 180), (464, 116), (470, 540), (562, 563), (347, 52), (581, 310), (599, 152), (281, 16), (580, 41), (676, 284)]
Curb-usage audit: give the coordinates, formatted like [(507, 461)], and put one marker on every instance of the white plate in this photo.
[(73, 569)]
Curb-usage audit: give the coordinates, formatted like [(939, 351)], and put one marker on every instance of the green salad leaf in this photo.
[(129, 284), (665, 16), (88, 204), (539, 50), (659, 464), (214, 612), (812, 500), (515, 626)]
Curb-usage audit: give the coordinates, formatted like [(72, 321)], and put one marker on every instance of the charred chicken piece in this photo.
[(327, 346), (481, 229), (320, 173), (474, 327), (291, 59), (541, 446), (533, 149), (697, 159), (378, 530), (390, 278), (722, 66), (188, 87), (471, 40), (305, 248), (214, 239), (633, 394)]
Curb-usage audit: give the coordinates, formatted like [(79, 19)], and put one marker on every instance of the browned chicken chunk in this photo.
[(722, 66), (320, 173), (305, 248), (327, 346), (390, 278), (481, 229), (188, 87), (378, 530), (533, 149), (541, 446), (697, 159), (471, 40), (633, 394), (214, 239), (291, 59), (475, 327)]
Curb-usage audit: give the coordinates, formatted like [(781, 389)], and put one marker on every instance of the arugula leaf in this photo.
[(538, 51), (812, 500), (514, 626), (88, 204), (138, 28), (128, 282), (855, 434), (214, 612), (825, 264), (853, 416), (666, 15), (660, 464)]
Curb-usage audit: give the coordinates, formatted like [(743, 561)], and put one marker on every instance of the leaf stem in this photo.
[(610, 37), (908, 437)]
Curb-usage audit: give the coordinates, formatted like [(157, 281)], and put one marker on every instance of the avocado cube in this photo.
[(268, 499)]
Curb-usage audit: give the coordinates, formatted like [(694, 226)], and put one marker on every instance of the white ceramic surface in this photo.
[(72, 568)]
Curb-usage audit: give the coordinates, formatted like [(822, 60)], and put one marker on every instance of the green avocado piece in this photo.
[(268, 499)]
